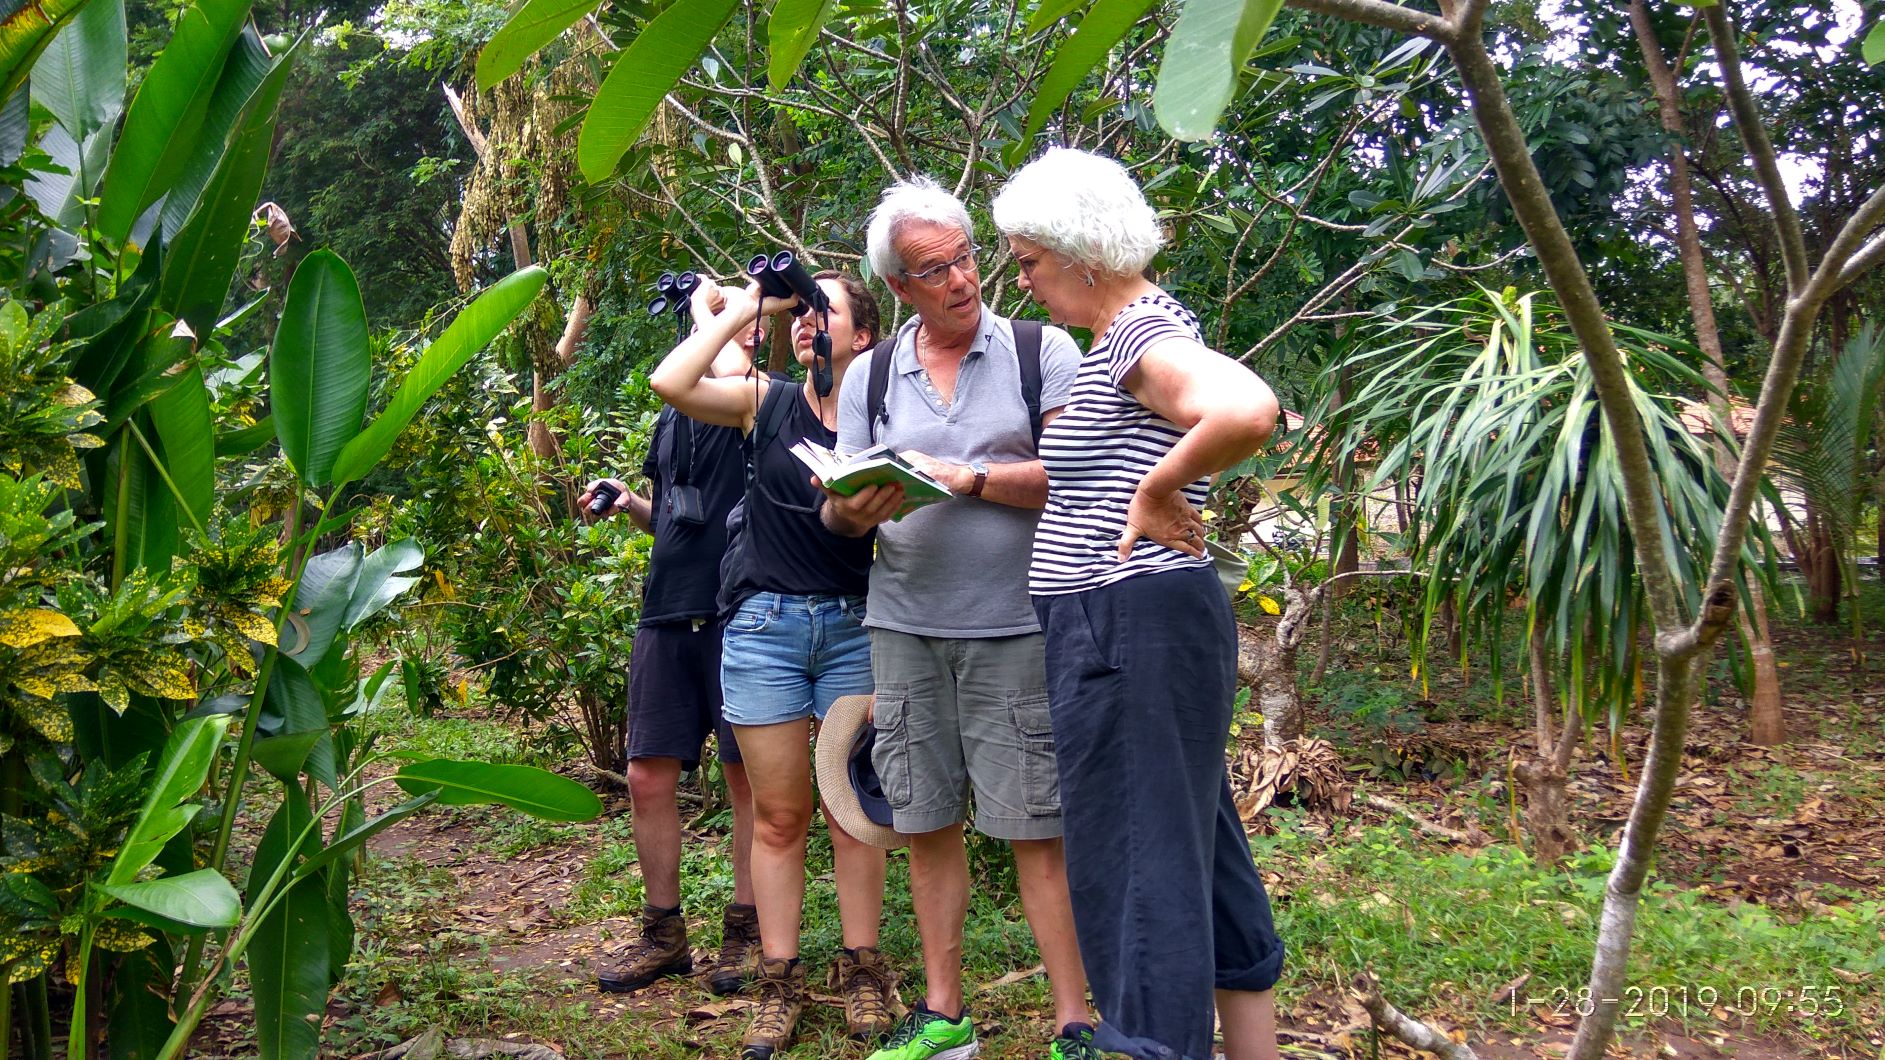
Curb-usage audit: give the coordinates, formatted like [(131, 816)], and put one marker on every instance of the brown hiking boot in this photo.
[(781, 986), (739, 950), (869, 988), (661, 950)]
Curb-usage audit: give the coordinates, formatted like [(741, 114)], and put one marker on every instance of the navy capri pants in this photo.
[(1167, 903)]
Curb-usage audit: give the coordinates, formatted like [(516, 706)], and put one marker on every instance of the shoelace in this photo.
[(907, 1028), (769, 1018), (869, 991)]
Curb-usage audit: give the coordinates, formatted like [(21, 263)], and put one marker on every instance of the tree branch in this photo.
[(1747, 120), (1387, 15), (1403, 1027)]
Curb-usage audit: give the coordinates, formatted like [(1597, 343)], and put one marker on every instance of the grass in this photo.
[(1445, 931)]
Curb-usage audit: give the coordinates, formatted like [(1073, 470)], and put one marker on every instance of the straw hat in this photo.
[(847, 781)]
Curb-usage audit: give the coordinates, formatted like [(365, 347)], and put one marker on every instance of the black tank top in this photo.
[(790, 550)]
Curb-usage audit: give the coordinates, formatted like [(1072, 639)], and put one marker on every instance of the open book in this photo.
[(876, 466)]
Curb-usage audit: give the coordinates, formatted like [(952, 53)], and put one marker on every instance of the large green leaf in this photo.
[(792, 32), (140, 512), (80, 78), (202, 898), (186, 435), (61, 196), (166, 116), (1050, 12), (643, 73), (245, 67), (25, 31), (1106, 23), (380, 581), (181, 770), (319, 368), (295, 717), (321, 601), (1873, 49), (202, 258), (471, 331), (1203, 60), (290, 964), (140, 1013), (534, 25), (534, 791)]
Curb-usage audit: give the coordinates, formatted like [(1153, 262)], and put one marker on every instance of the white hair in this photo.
[(1084, 207), (918, 200)]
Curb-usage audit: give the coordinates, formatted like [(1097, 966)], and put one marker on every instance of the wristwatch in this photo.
[(981, 477)]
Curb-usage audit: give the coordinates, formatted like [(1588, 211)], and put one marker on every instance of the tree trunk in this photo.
[(1764, 718), (1545, 778)]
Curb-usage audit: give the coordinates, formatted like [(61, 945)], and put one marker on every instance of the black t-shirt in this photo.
[(790, 550), (684, 567)]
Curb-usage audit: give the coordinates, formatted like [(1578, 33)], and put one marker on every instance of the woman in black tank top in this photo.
[(796, 640)]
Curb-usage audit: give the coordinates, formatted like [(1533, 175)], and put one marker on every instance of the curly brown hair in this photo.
[(864, 312)]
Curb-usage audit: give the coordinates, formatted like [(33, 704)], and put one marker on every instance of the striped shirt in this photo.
[(1098, 450)]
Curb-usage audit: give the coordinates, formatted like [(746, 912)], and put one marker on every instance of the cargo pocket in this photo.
[(891, 753), (1040, 775)]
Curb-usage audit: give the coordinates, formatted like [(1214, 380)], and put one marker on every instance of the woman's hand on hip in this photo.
[(1166, 518)]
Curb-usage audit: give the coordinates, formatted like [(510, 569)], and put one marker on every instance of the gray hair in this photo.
[(1085, 208), (914, 201)]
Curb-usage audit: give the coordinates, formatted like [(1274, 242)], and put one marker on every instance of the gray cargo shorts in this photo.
[(955, 714)]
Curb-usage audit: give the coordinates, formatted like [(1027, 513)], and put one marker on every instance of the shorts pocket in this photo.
[(752, 616), (891, 753), (1040, 775)]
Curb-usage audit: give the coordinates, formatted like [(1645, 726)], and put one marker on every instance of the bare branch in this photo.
[(1380, 13), (1832, 273), (1403, 1027), (1424, 824), (1747, 120), (704, 125)]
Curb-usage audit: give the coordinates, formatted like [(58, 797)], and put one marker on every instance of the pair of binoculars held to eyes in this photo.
[(781, 276)]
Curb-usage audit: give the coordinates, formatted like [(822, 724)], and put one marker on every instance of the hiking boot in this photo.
[(1074, 1042), (869, 988), (926, 1035), (661, 950), (781, 986), (739, 950)]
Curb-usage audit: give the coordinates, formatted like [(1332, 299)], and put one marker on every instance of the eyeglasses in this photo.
[(937, 275)]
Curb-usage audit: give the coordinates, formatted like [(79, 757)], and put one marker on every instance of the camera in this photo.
[(605, 497)]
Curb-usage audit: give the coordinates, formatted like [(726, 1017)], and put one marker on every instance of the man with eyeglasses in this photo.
[(956, 651)]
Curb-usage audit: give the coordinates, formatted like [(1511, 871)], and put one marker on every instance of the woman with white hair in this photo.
[(1141, 643)]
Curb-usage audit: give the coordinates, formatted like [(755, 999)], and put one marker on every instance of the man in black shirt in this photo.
[(695, 474)]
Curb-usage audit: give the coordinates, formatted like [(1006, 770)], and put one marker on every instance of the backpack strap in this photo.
[(879, 388), (767, 422), (1027, 345)]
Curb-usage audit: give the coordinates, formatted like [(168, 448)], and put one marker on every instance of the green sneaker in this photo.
[(1074, 1042), (925, 1035)]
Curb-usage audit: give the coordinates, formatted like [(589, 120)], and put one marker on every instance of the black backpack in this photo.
[(767, 422), (1027, 342)]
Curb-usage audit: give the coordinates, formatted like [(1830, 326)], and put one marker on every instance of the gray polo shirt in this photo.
[(958, 568)]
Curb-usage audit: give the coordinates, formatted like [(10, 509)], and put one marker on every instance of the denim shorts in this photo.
[(785, 658)]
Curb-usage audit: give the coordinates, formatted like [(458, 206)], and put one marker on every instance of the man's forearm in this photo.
[(1018, 485), (639, 509)]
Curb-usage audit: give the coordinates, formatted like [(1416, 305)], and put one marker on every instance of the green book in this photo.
[(876, 466)]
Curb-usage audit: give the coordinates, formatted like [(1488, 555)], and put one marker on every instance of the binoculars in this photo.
[(781, 276), (672, 293)]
